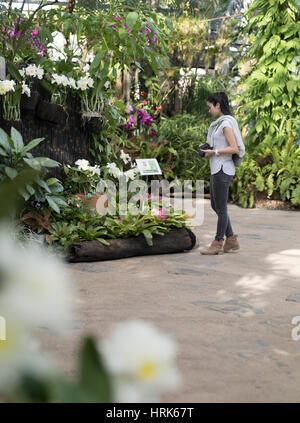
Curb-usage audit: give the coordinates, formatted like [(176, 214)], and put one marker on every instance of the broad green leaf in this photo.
[(3, 152), (4, 140), (33, 163), (10, 172), (148, 236), (56, 188), (42, 184), (94, 377), (30, 189), (24, 194), (131, 19), (31, 145), (103, 241), (96, 62), (46, 162), (13, 71), (59, 200), (17, 139), (122, 33), (53, 204), (52, 181)]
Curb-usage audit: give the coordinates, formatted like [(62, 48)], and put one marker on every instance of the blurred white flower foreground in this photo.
[(35, 291), (141, 361)]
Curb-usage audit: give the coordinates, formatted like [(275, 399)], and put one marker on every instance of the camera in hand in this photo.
[(204, 146)]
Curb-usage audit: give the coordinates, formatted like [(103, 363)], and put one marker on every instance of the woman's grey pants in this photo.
[(219, 189)]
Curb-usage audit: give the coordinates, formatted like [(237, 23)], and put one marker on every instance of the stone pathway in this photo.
[(231, 315)]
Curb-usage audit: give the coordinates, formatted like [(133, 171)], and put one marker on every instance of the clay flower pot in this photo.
[(97, 201)]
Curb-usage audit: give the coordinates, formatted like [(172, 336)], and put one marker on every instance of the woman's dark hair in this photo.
[(220, 97)]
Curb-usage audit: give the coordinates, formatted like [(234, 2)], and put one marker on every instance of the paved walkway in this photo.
[(231, 315)]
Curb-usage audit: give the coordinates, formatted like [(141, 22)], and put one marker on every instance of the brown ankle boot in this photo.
[(216, 247), (231, 243)]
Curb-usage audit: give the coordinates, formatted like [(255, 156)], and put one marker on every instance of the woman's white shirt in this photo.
[(219, 142)]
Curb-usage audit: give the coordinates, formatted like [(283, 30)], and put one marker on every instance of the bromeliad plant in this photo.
[(77, 223), (15, 157)]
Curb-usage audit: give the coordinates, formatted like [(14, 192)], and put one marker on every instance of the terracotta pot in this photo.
[(98, 202)]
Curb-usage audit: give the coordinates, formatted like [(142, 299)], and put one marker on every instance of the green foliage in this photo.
[(15, 159), (78, 223), (185, 133), (276, 172), (271, 90), (198, 90)]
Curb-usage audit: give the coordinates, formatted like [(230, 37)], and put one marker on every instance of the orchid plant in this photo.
[(82, 178), (11, 92), (117, 173)]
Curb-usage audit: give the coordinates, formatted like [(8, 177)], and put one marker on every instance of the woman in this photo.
[(222, 136)]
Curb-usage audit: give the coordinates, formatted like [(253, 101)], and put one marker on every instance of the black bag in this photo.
[(237, 160)]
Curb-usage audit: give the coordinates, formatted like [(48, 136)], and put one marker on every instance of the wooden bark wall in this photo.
[(66, 137)]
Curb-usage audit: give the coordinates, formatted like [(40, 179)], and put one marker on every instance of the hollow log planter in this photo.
[(29, 104), (92, 121), (174, 241), (50, 112)]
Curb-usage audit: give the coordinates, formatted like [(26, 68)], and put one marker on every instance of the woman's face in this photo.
[(214, 111)]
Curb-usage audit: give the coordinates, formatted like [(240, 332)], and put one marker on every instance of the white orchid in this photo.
[(39, 72), (141, 360), (113, 170), (82, 84), (72, 83), (6, 86), (82, 164), (95, 170), (131, 173), (64, 81), (57, 79), (125, 157), (26, 89), (34, 71), (36, 290), (90, 82)]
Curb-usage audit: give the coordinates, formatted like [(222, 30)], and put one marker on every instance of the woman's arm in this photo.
[(231, 149)]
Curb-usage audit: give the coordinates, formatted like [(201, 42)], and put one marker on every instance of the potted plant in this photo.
[(55, 111), (11, 91), (93, 99), (30, 100), (81, 182)]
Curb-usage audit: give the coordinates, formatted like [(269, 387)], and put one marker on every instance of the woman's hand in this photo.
[(208, 153)]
